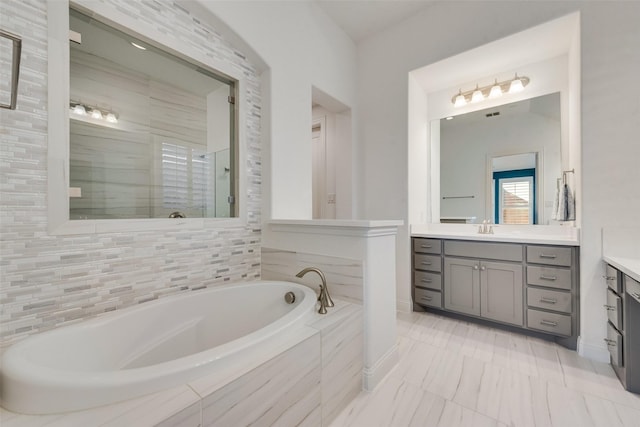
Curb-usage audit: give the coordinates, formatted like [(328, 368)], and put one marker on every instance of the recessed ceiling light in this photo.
[(138, 46)]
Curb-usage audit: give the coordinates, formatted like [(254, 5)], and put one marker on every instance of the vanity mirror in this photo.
[(151, 135), (502, 163)]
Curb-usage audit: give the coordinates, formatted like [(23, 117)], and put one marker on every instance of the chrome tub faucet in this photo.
[(324, 298)]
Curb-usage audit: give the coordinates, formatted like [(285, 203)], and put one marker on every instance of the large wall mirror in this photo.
[(502, 164), (151, 135)]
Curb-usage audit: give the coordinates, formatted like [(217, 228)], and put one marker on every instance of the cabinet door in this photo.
[(501, 292), (462, 285)]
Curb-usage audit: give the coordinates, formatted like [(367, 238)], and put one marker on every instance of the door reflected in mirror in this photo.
[(501, 164)]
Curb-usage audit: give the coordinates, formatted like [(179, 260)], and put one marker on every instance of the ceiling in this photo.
[(362, 18)]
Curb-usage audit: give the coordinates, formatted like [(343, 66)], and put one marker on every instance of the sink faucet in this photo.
[(485, 228), (324, 298)]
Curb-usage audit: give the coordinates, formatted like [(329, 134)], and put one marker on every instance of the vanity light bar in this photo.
[(85, 110), (517, 84)]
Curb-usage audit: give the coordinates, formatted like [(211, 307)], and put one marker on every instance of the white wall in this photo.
[(610, 116), (302, 48)]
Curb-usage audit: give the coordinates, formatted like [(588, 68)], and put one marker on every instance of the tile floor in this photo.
[(453, 373)]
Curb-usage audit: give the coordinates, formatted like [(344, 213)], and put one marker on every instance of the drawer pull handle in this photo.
[(636, 295), (548, 278), (609, 307), (426, 280), (548, 300), (425, 263), (609, 278), (426, 246), (547, 256), (610, 343), (426, 298), (548, 323)]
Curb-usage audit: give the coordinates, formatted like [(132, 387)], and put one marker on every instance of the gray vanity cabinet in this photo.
[(501, 292), (489, 289), (462, 285), (522, 286)]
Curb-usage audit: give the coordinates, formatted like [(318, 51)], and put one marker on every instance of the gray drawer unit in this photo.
[(497, 251), (550, 277), (555, 323), (549, 300), (614, 345), (550, 255), (425, 279), (633, 288), (614, 309), (427, 246), (614, 279), (428, 298), (427, 262)]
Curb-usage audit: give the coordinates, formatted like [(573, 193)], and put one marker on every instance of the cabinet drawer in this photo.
[(632, 287), (427, 246), (499, 251), (552, 255), (614, 309), (614, 279), (424, 279), (427, 262), (614, 345), (429, 298), (550, 300), (554, 323), (550, 277)]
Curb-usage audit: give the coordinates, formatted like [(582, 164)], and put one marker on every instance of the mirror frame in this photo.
[(58, 124)]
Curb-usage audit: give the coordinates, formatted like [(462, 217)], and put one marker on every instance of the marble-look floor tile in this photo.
[(455, 373)]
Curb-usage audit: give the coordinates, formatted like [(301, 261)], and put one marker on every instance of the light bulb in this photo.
[(80, 110), (111, 118), (516, 85), (477, 95), (96, 114), (460, 100), (496, 90), (139, 46)]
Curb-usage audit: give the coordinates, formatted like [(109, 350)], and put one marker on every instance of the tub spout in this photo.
[(324, 298)]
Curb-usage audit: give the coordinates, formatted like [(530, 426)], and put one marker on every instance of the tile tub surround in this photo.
[(305, 379), (46, 280), (344, 276), (453, 373)]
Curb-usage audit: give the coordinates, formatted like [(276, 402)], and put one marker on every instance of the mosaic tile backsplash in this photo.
[(47, 281)]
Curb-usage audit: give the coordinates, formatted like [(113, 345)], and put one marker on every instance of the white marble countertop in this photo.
[(629, 266), (545, 235)]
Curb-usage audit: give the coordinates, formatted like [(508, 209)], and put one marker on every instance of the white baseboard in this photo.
[(372, 376), (593, 352), (403, 306)]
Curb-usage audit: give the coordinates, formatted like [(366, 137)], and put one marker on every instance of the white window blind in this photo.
[(516, 201)]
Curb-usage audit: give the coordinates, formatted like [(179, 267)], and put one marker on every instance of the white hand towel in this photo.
[(566, 205)]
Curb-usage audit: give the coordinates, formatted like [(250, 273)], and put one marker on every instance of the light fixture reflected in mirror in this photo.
[(84, 110), (497, 89)]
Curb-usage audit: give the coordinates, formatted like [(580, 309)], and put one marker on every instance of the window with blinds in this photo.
[(185, 173), (515, 196)]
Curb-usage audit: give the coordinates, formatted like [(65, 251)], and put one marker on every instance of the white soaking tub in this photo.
[(147, 348)]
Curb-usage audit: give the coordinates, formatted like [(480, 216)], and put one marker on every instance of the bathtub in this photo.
[(147, 348)]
